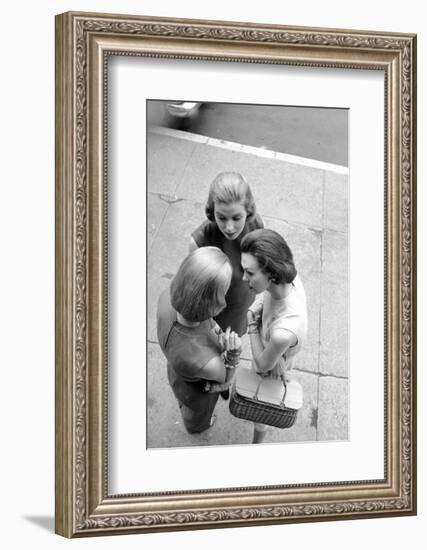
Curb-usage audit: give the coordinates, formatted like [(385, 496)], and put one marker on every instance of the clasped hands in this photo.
[(231, 345)]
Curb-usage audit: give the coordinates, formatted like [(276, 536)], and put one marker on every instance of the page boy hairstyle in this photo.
[(199, 287), (228, 187), (272, 253)]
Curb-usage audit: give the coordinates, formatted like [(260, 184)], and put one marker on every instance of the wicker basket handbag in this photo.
[(265, 400)]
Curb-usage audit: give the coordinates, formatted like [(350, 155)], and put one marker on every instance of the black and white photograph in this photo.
[(247, 273), (214, 251)]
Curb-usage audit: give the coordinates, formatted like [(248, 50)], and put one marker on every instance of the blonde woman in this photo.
[(199, 355)]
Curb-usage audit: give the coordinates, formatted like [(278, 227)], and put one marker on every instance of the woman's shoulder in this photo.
[(205, 234), (166, 317), (282, 336), (189, 351), (164, 305), (298, 290)]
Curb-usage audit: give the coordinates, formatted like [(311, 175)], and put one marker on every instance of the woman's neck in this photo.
[(183, 321), (279, 292)]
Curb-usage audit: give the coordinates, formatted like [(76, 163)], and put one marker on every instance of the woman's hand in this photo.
[(232, 340), (277, 372), (214, 387), (253, 317), (229, 340)]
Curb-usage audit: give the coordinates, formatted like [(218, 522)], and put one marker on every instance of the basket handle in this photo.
[(282, 378)]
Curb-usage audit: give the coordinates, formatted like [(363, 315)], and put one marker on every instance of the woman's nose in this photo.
[(244, 276), (229, 227)]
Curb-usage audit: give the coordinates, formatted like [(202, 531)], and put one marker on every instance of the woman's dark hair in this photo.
[(272, 253)]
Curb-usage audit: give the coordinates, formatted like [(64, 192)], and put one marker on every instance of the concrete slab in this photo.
[(169, 248), (164, 423), (164, 177), (334, 306), (334, 326), (307, 206), (305, 427), (290, 192), (206, 163), (172, 240), (281, 190), (156, 212), (335, 255), (333, 409), (165, 427), (336, 202)]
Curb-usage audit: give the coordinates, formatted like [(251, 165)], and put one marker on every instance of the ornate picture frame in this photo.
[(84, 42)]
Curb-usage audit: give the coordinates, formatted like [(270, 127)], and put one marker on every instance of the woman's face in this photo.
[(230, 218), (257, 280)]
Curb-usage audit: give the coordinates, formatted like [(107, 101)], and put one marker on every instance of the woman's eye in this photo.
[(237, 218)]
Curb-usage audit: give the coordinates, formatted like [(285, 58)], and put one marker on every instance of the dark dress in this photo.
[(188, 350), (239, 296)]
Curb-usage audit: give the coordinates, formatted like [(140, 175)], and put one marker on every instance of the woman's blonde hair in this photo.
[(228, 187), (199, 287)]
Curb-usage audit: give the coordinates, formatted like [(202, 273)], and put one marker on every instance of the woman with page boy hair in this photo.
[(277, 320), (197, 351)]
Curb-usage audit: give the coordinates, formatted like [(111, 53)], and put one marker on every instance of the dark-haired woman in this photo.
[(199, 355), (277, 323)]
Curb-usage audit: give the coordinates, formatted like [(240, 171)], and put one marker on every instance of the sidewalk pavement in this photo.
[(304, 201)]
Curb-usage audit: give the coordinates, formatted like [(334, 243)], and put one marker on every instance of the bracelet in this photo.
[(231, 359)]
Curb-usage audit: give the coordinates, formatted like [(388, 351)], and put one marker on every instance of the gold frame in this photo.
[(83, 42)]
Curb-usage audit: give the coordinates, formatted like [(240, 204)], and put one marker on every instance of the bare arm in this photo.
[(216, 387), (214, 370), (266, 357), (232, 345), (192, 245)]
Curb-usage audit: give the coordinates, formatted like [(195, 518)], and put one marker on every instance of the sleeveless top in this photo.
[(187, 350), (239, 296), (289, 313)]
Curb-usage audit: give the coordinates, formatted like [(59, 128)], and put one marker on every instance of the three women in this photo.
[(232, 259)]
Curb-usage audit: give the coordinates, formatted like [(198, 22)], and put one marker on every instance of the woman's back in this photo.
[(187, 349)]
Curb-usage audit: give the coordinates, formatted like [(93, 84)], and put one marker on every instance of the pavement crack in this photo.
[(170, 199)]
